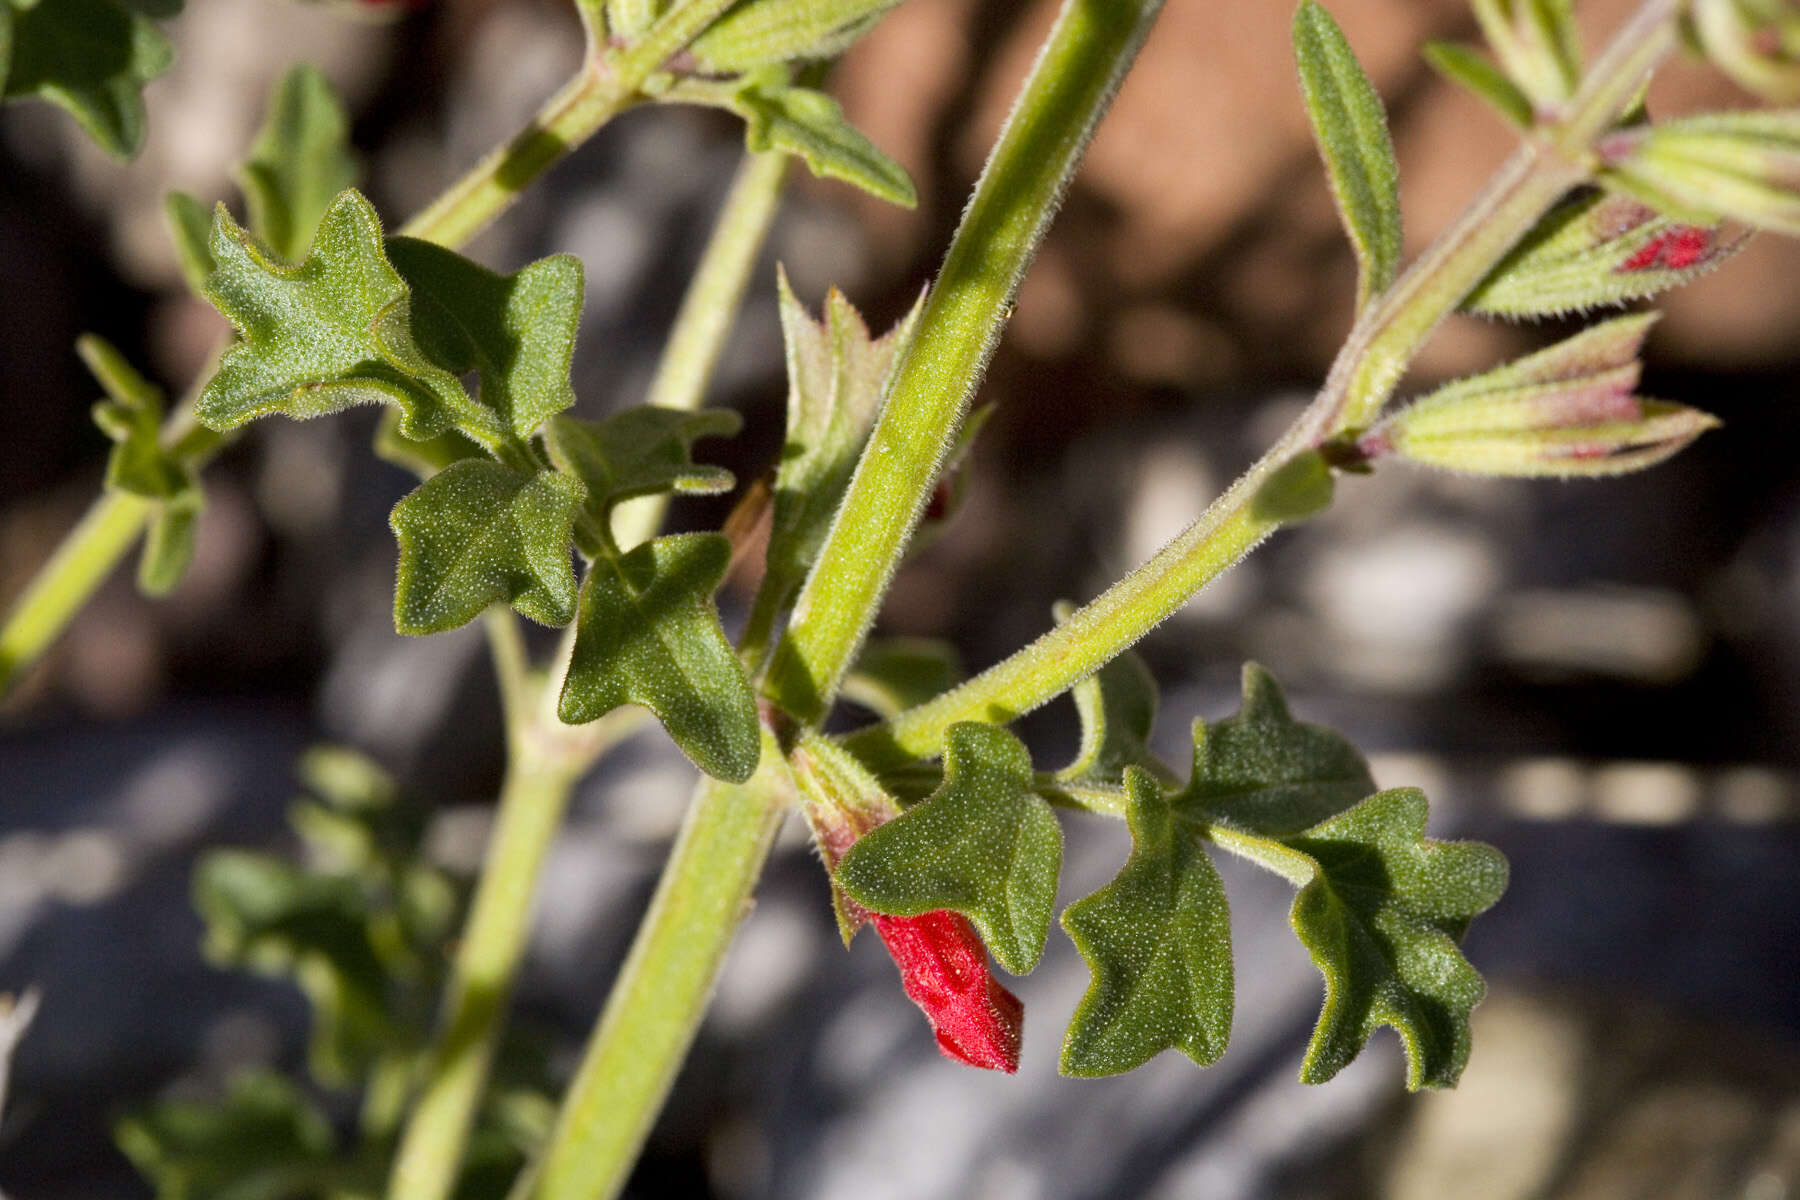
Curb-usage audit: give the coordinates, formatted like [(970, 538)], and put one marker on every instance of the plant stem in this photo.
[(656, 1004), (1070, 87), (1363, 377)]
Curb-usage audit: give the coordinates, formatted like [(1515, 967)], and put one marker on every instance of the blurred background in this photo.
[(1601, 678)]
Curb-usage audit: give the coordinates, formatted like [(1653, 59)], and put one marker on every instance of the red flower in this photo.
[(944, 969)]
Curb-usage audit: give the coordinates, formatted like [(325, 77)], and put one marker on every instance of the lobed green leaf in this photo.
[(639, 452), (1158, 941), (983, 845), (760, 32), (89, 57), (647, 633), (1350, 127), (299, 162), (477, 533), (809, 124)]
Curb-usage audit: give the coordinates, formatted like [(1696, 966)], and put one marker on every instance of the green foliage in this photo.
[(892, 675), (779, 115), (1536, 43), (298, 164), (90, 57), (477, 533), (266, 1140), (760, 32), (648, 634), (319, 337), (639, 452), (1117, 707), (1715, 166), (1469, 69), (169, 543), (1597, 249), (1351, 128), (517, 332), (1300, 488), (983, 845), (1158, 941), (1380, 910), (836, 375), (190, 229)]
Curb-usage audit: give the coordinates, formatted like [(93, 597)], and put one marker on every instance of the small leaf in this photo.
[(648, 634), (983, 845), (477, 533), (1597, 249), (91, 58), (326, 334), (1351, 129), (190, 229), (892, 675), (516, 331), (775, 31), (1300, 488), (266, 1140), (1266, 771), (836, 377), (169, 544), (1470, 70), (810, 125), (1536, 42), (299, 162), (1117, 707), (423, 458), (1158, 941), (639, 452), (132, 418), (1380, 911)]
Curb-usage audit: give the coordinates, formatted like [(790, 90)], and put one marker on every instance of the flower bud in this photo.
[(1742, 166)]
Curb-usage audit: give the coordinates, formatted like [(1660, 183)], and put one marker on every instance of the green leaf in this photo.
[(836, 376), (1537, 45), (638, 452), (1597, 249), (761, 32), (477, 533), (266, 1140), (1158, 941), (190, 229), (1380, 910), (892, 675), (1351, 129), (329, 333), (1470, 70), (648, 634), (169, 544), (90, 57), (299, 162), (982, 845), (132, 418), (1117, 707), (1299, 488), (516, 331), (809, 125), (1263, 770), (269, 916), (423, 458)]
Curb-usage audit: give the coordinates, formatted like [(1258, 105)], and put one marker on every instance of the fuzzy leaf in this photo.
[(1266, 771), (1158, 941), (1351, 129), (983, 845), (836, 374), (329, 333), (190, 229), (516, 331), (648, 634), (423, 458), (755, 34), (132, 417), (477, 533), (298, 164), (90, 57), (638, 452), (1380, 910), (266, 1140), (809, 125), (169, 544), (1597, 249), (1300, 488), (892, 675), (1468, 69), (269, 916)]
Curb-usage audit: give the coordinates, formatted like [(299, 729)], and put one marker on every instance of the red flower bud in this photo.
[(944, 969)]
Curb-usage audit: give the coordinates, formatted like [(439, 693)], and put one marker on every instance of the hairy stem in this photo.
[(1073, 82), (661, 994), (1373, 358)]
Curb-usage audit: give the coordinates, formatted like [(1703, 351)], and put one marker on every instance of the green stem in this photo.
[(656, 1004), (1069, 90), (1379, 348)]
